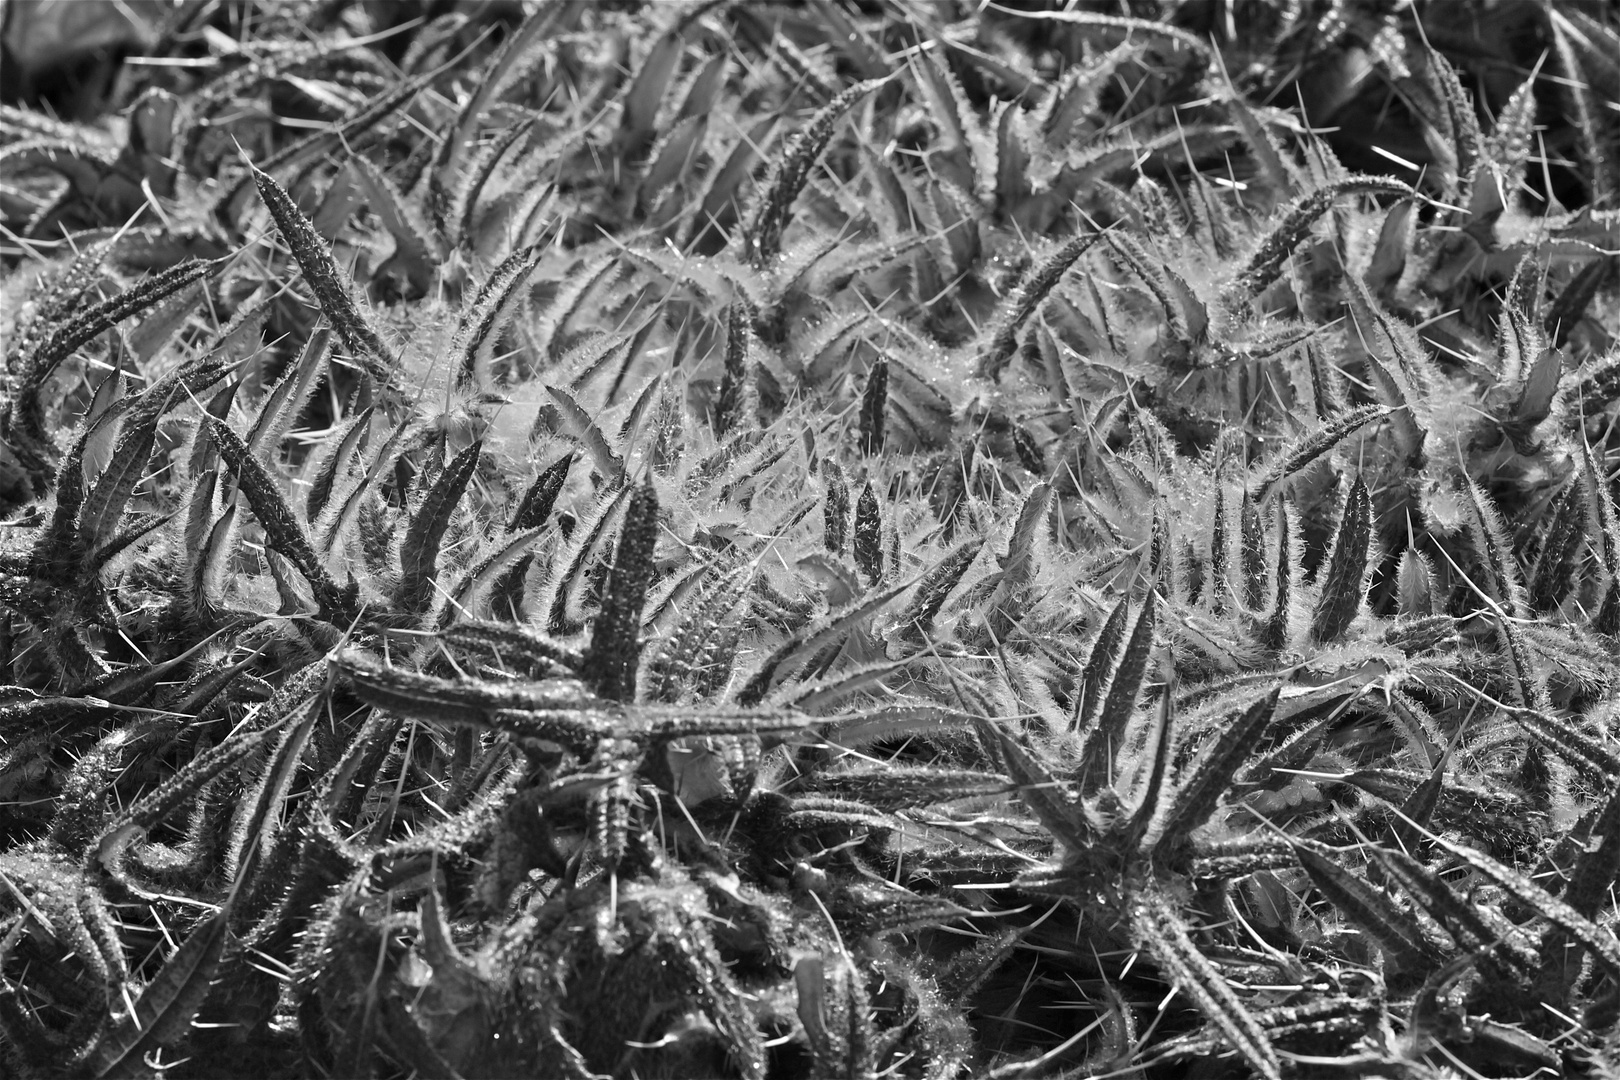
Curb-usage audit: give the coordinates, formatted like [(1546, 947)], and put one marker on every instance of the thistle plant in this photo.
[(844, 540)]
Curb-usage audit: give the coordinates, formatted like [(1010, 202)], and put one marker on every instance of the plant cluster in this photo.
[(840, 539)]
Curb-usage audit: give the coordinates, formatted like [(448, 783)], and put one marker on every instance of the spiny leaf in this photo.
[(1417, 810), (1456, 915), (343, 506), (1344, 587), (1306, 449), (1390, 255), (288, 397), (1103, 741), (1596, 762), (1395, 930), (82, 165), (1595, 870), (332, 287), (1590, 882), (1503, 591), (1520, 339), (1042, 792), (538, 501), (1219, 589), (1185, 315), (615, 652), (1553, 574), (812, 638), (209, 541), (480, 324), (729, 406), (105, 505), (874, 398), (1538, 389), (1266, 264), (496, 576), (968, 152), (86, 326), (1160, 743), (184, 785), (1100, 663), (1016, 310), (133, 530), (1198, 795), (1160, 554), (578, 423), (1157, 924), (1252, 554), (835, 510), (464, 201), (893, 788), (764, 236), (563, 586), (1018, 565), (108, 392), (1199, 50), (147, 338), (60, 535), (719, 210), (937, 585), (646, 93), (1460, 136), (254, 832), (419, 552), (281, 527), (1599, 941), (416, 243), (344, 447), (1573, 38), (698, 654), (869, 535), (818, 695), (517, 57), (1415, 584), (163, 1014), (1265, 150), (1276, 632), (1605, 530), (559, 711), (1402, 374), (517, 649), (1566, 312)]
